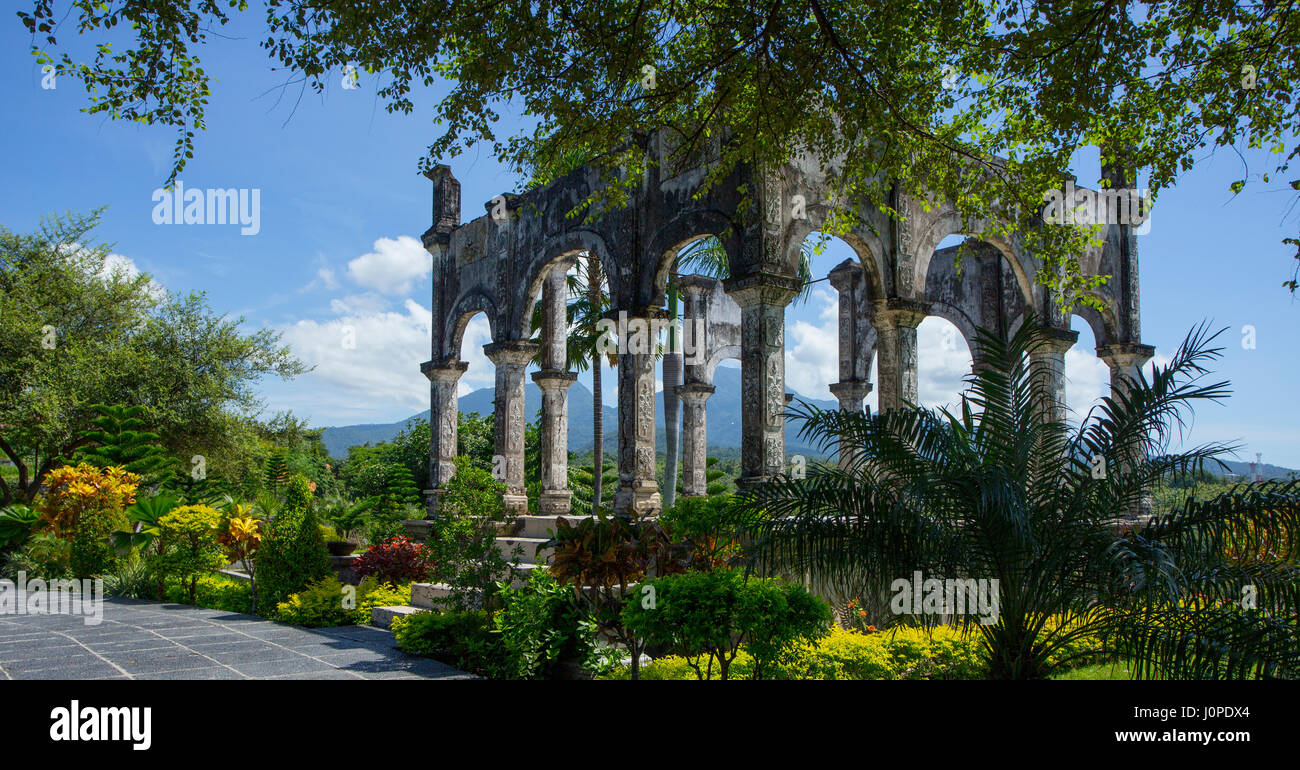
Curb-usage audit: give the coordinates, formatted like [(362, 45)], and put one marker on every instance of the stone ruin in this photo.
[(498, 264)]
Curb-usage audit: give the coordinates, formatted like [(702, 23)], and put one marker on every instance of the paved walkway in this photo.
[(145, 640)]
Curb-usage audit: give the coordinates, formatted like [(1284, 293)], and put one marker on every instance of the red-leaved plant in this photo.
[(398, 559)]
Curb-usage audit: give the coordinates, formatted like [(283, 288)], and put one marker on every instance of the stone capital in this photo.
[(443, 370), (695, 392), (851, 391), (897, 313), (516, 353), (696, 285), (763, 288), (554, 379), (645, 314), (847, 275), (1057, 341), (1125, 354)]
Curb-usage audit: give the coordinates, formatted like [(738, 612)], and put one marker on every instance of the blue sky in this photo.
[(342, 207)]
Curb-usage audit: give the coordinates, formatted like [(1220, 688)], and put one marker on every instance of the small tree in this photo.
[(120, 439), (707, 616), (241, 536), (293, 552), (189, 545)]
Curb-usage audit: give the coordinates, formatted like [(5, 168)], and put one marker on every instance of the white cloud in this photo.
[(118, 266), (393, 266), (371, 355), (943, 362), (812, 356), (1087, 379), (368, 303), (325, 278)]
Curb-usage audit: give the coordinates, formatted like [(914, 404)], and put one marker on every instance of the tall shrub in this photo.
[(293, 552)]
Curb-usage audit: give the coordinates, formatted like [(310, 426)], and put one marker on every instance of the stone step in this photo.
[(539, 526), (530, 549), (382, 617), (426, 595)]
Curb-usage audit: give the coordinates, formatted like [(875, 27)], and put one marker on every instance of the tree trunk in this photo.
[(597, 402)]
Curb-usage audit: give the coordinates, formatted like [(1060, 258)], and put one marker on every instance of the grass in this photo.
[(1104, 671)]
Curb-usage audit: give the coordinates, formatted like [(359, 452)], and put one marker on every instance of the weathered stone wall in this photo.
[(497, 264)]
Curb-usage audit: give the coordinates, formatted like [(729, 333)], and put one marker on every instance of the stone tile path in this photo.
[(144, 640)]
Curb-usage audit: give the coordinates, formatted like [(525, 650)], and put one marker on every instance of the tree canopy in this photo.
[(983, 101), (78, 330)]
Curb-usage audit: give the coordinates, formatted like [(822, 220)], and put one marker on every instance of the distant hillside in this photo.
[(1267, 471), (724, 417)]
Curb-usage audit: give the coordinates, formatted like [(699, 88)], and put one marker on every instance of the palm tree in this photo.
[(1000, 491)]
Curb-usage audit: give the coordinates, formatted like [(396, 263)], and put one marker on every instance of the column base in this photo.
[(750, 481), (433, 502), (638, 501), (418, 530), (516, 504), (555, 503)]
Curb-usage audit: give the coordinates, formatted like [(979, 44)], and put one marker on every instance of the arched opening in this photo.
[(1087, 378), (943, 362), (832, 312), (569, 386)]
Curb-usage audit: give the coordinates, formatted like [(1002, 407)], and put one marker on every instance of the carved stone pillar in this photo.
[(850, 395), (694, 396), (695, 291), (555, 327), (554, 381), (443, 420), (638, 490), (555, 498), (857, 340), (510, 359), (895, 321), (1048, 361), (762, 299)]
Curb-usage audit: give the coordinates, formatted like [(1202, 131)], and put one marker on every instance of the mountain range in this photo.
[(723, 412)]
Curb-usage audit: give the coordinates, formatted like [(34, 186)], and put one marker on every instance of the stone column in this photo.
[(694, 436), (638, 490), (850, 394), (1125, 359), (555, 499), (554, 381), (895, 321), (695, 291), (510, 359), (443, 420), (762, 299), (1048, 361)]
